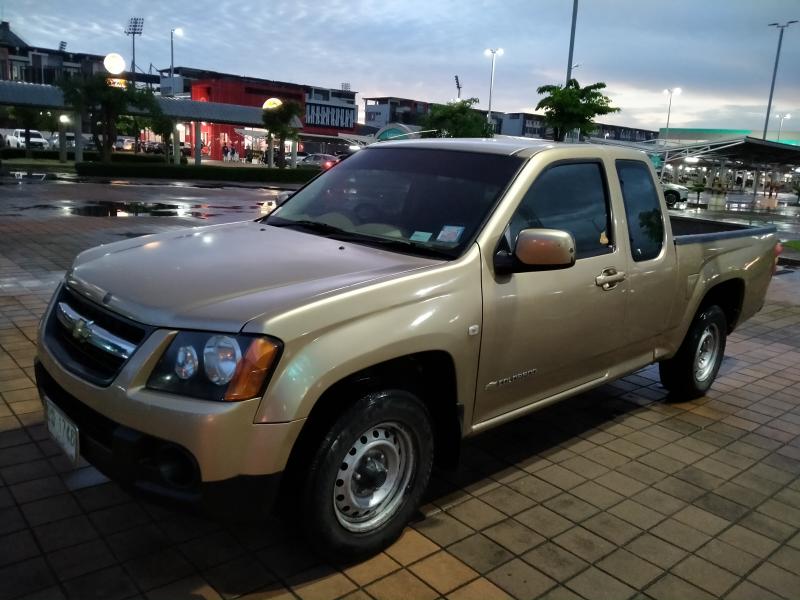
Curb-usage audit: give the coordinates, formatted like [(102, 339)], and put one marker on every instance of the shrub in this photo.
[(88, 155), (165, 171)]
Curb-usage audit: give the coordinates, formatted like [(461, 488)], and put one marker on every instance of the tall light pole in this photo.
[(172, 33), (780, 127), (133, 29), (494, 53), (572, 39), (774, 71), (671, 91)]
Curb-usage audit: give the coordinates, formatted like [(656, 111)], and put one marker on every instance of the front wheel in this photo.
[(368, 475), (690, 373)]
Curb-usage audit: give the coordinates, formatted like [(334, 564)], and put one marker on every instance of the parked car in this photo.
[(124, 143), (69, 138), (676, 196), (425, 291), (151, 147), (323, 161), (16, 139)]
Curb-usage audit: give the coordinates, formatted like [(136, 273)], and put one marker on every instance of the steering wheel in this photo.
[(370, 213)]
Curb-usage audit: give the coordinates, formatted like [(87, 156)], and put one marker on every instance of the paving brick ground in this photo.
[(613, 494)]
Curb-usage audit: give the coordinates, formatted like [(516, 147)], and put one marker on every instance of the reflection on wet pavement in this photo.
[(211, 203)]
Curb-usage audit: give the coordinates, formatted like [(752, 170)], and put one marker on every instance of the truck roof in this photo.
[(504, 144)]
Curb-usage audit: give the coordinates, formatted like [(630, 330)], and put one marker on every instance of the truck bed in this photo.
[(687, 230)]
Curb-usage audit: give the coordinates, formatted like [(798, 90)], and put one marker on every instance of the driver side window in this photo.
[(571, 197)]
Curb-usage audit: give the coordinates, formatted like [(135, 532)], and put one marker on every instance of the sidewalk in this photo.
[(613, 494)]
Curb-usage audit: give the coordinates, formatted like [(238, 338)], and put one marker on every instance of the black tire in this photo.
[(690, 373), (671, 197), (393, 424)]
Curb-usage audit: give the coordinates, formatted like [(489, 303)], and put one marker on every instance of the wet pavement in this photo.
[(212, 203), (613, 494)]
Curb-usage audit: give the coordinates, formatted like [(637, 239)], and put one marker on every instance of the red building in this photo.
[(326, 111)]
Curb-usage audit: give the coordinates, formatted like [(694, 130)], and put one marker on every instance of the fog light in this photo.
[(186, 362)]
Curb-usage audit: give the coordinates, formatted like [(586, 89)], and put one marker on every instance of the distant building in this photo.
[(327, 112), (32, 64), (379, 112)]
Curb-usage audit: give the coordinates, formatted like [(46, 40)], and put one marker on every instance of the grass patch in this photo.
[(191, 172), (793, 244)]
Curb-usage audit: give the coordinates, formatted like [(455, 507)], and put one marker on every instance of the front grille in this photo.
[(75, 353)]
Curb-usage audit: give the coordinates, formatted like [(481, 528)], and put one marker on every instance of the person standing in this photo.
[(225, 152)]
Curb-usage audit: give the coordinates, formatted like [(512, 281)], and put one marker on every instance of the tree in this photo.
[(456, 120), (278, 122), (103, 105), (573, 107)]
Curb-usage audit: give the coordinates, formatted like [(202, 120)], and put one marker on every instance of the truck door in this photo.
[(547, 331), (651, 261)]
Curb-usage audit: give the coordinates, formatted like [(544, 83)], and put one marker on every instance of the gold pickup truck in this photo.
[(415, 294)]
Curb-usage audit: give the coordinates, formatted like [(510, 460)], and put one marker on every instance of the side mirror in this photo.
[(549, 248), (538, 250)]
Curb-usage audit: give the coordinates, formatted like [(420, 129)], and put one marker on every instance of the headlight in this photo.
[(212, 366)]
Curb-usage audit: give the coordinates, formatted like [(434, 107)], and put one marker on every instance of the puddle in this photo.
[(32, 176)]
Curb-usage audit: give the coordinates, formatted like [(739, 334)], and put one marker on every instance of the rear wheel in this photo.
[(690, 373), (368, 475), (671, 197)]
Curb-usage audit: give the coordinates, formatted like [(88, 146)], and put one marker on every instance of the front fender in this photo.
[(436, 310)]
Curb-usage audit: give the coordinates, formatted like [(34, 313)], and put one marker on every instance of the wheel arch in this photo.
[(729, 296), (430, 375)]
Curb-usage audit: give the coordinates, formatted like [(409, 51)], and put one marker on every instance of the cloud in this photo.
[(720, 52)]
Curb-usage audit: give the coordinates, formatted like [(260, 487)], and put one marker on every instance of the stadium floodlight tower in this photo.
[(134, 28)]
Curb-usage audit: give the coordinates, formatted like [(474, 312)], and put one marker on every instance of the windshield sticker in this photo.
[(450, 233), (420, 236)]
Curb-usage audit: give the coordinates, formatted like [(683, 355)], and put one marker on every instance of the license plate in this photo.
[(62, 430)]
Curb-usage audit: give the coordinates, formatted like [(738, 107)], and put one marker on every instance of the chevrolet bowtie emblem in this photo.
[(82, 330)]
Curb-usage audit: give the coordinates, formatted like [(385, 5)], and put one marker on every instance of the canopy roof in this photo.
[(15, 93)]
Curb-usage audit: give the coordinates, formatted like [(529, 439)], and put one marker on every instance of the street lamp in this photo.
[(780, 127), (133, 29), (672, 92), (572, 41), (114, 63), (774, 71), (172, 33), (494, 53)]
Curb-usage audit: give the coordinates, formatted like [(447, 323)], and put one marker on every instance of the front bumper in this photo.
[(169, 445), (156, 467)]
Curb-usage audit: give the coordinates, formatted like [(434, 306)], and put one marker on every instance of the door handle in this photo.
[(609, 278)]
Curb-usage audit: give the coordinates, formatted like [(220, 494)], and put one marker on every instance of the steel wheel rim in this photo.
[(373, 477), (707, 352)]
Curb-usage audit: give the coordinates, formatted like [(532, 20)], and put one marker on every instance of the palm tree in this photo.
[(573, 107), (279, 121)]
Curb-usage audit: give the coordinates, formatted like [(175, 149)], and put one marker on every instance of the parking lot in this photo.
[(608, 495)]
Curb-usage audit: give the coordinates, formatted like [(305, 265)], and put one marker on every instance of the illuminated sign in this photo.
[(330, 116)]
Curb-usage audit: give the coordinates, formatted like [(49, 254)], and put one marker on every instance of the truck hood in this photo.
[(220, 277)]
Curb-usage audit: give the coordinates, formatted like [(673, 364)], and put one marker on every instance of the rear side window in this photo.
[(642, 208), (571, 197)]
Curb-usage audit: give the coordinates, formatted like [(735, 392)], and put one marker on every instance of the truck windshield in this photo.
[(414, 200)]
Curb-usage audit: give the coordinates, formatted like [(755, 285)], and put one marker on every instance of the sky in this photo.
[(720, 53)]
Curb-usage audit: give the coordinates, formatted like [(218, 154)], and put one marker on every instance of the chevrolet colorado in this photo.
[(418, 293)]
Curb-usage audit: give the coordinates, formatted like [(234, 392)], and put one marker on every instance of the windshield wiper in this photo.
[(315, 226), (400, 244)]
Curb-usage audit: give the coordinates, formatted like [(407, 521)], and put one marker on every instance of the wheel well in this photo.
[(729, 296), (430, 376)]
